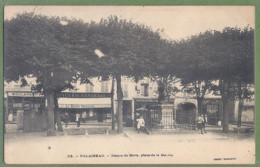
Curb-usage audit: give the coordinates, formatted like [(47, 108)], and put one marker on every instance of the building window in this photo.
[(212, 108), (144, 89)]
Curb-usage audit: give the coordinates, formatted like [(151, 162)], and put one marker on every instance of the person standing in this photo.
[(140, 123), (78, 119), (205, 120), (200, 121)]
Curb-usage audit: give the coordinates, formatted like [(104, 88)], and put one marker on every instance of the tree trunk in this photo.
[(57, 113), (120, 104), (50, 114), (240, 107), (225, 114), (112, 104), (199, 101), (225, 94)]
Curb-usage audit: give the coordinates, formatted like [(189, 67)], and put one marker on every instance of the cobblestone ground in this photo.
[(129, 147)]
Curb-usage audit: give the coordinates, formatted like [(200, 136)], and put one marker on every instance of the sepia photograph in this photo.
[(129, 84)]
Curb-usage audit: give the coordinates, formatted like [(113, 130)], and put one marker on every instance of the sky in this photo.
[(178, 22)]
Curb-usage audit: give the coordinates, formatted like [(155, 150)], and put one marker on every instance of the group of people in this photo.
[(67, 119), (201, 121), (140, 123)]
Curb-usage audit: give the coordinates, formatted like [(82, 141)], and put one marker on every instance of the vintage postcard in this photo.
[(129, 84)]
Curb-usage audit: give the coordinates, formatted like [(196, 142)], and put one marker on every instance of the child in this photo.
[(200, 122), (140, 123), (205, 120)]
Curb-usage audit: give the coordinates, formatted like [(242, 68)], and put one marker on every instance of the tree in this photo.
[(243, 65), (237, 67), (129, 50), (194, 66), (164, 71), (112, 103), (225, 57), (244, 91), (38, 47), (230, 56)]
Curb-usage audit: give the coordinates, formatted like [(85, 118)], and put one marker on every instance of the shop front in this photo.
[(26, 101), (143, 104), (26, 109), (92, 107)]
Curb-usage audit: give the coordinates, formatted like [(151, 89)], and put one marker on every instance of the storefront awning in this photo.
[(84, 102)]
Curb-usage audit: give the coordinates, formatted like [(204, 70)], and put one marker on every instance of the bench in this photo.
[(75, 131), (93, 131), (87, 131), (244, 130)]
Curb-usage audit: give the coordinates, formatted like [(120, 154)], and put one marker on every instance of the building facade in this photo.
[(93, 103)]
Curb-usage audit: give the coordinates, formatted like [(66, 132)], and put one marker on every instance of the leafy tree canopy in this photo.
[(41, 47), (129, 48)]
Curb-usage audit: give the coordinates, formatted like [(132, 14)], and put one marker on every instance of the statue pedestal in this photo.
[(168, 115), (166, 108), (164, 116)]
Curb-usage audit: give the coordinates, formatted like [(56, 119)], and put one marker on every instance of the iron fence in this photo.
[(166, 122)]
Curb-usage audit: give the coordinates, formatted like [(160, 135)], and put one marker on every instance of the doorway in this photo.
[(186, 113)]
